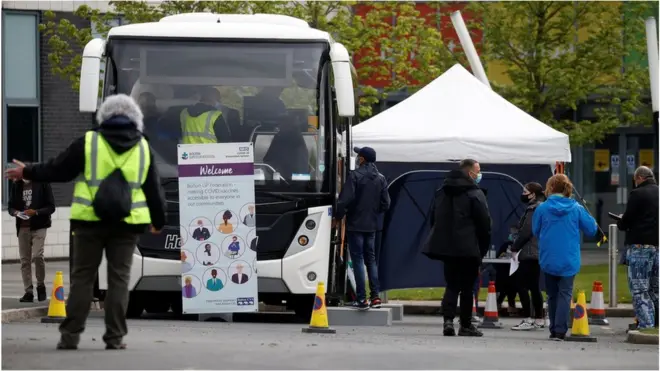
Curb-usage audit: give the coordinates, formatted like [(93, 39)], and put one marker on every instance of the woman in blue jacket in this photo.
[(557, 224)]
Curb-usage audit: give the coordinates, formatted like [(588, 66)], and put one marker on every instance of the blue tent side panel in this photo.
[(406, 225)]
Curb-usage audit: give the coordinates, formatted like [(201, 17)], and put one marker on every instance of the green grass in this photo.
[(649, 331), (583, 281)]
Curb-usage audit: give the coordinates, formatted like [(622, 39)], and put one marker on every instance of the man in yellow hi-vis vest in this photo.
[(116, 147), (204, 121)]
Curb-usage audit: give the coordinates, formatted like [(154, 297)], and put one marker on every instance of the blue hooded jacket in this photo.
[(557, 224)]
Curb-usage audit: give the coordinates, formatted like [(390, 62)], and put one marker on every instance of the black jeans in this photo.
[(460, 274), (89, 244), (527, 280)]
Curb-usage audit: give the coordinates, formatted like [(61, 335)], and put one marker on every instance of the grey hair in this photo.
[(644, 173), (120, 105)]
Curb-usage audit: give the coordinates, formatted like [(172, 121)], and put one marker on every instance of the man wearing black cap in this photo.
[(363, 198)]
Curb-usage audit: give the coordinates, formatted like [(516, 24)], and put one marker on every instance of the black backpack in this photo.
[(113, 200)]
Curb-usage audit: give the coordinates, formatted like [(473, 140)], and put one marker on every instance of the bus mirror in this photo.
[(90, 73), (341, 68), (353, 161)]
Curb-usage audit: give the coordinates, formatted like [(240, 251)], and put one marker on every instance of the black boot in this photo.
[(448, 329), (41, 293), (470, 331), (27, 298)]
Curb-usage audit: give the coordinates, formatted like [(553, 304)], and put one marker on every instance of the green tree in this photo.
[(410, 38), (559, 54), (399, 46)]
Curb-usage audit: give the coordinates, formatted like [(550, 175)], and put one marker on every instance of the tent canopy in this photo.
[(456, 117)]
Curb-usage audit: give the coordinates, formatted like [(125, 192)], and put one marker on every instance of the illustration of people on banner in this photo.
[(216, 204)]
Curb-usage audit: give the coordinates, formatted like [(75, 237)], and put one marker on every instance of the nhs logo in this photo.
[(172, 242), (245, 301)]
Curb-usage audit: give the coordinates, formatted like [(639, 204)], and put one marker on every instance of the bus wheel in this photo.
[(303, 305), (135, 306), (177, 305), (157, 305)]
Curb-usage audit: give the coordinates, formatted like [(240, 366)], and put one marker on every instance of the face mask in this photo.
[(26, 181), (478, 178), (524, 198), (357, 162), (510, 236)]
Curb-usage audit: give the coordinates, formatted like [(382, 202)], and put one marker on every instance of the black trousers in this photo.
[(527, 280), (89, 243), (460, 274)]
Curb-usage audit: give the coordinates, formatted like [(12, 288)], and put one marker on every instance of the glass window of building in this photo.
[(20, 87)]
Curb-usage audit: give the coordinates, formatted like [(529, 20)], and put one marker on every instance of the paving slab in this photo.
[(636, 337), (344, 316), (397, 310)]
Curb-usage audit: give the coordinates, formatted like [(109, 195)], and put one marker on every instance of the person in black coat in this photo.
[(36, 201), (640, 222), (527, 276), (460, 238)]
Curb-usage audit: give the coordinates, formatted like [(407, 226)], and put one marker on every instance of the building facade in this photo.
[(40, 110)]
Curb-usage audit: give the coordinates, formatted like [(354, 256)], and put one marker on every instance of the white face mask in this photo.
[(26, 181)]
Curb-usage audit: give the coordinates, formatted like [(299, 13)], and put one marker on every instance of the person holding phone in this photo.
[(640, 222), (31, 204)]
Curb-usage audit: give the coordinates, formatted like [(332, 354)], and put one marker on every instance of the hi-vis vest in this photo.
[(101, 161), (198, 130)]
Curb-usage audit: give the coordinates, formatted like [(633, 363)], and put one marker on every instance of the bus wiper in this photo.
[(166, 181)]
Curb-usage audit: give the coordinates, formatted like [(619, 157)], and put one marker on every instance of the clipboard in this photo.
[(614, 216)]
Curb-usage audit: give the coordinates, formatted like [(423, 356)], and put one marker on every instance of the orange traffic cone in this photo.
[(491, 316), (597, 307), (319, 321), (56, 307)]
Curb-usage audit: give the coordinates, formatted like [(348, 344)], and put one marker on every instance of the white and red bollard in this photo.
[(597, 306), (491, 315)]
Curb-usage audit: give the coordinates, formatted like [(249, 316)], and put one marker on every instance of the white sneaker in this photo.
[(525, 325), (540, 324)]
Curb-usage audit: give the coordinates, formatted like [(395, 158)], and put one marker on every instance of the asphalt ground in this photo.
[(416, 343)]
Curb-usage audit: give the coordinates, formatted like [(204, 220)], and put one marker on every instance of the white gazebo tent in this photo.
[(456, 117)]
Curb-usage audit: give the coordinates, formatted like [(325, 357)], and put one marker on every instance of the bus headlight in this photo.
[(306, 236)]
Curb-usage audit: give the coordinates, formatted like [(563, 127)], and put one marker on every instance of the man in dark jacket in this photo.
[(120, 131), (460, 238), (32, 205), (362, 200), (640, 222)]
